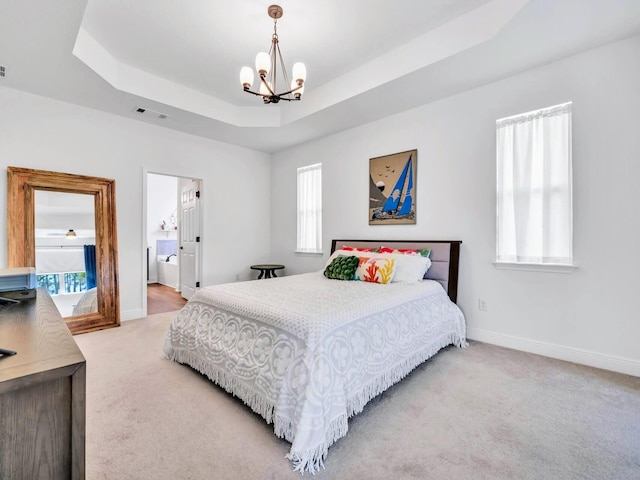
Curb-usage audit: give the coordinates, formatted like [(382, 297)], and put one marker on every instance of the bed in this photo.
[(307, 352), (88, 303)]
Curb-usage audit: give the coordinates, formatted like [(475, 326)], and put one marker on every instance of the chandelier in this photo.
[(266, 66)]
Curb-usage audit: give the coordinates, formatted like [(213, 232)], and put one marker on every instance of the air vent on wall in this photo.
[(2, 71), (150, 113)]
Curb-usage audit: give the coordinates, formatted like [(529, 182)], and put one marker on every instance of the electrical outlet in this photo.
[(482, 305)]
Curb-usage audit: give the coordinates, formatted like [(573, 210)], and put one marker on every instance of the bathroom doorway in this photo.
[(166, 270)]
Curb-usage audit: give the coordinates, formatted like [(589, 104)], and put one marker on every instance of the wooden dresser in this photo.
[(42, 394)]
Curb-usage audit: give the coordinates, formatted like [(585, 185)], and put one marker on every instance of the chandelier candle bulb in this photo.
[(263, 64), (299, 72), (297, 92), (265, 88), (246, 77)]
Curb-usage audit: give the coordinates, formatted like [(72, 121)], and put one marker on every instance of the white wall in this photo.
[(37, 132), (589, 316)]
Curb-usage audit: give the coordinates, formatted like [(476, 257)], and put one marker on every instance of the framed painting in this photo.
[(392, 189)]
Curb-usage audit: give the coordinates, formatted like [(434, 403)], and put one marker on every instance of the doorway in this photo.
[(172, 270)]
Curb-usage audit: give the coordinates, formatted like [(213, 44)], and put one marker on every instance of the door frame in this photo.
[(201, 221)]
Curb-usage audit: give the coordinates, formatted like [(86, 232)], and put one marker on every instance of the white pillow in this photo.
[(409, 268)]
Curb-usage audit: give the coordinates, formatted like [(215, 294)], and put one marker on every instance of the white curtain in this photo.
[(310, 209), (534, 217)]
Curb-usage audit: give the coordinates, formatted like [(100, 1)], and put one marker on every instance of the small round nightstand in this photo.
[(267, 270)]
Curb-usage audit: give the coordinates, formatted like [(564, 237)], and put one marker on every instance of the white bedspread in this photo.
[(307, 353)]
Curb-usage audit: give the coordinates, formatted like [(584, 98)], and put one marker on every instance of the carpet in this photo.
[(483, 412)]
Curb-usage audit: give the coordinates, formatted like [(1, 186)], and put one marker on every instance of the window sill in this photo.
[(309, 254), (536, 267)]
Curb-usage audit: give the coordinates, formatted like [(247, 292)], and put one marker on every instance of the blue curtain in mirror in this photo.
[(90, 265)]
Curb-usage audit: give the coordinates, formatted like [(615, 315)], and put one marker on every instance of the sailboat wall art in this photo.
[(392, 189)]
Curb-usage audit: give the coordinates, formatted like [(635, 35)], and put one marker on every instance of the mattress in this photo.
[(307, 353)]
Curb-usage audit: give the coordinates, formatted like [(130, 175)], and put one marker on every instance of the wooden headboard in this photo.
[(445, 257)]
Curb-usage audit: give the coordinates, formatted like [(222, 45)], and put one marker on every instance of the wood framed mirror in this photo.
[(22, 184)]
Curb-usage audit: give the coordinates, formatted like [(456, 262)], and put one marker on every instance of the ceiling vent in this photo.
[(150, 113), (2, 71)]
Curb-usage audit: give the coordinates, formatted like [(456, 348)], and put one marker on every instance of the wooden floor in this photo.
[(161, 298)]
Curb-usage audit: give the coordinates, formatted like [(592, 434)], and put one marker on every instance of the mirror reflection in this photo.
[(65, 238)]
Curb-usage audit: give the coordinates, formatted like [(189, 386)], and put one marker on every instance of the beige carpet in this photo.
[(483, 412)]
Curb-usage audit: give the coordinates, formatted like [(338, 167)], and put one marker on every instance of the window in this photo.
[(61, 283), (51, 281), (310, 209), (534, 199)]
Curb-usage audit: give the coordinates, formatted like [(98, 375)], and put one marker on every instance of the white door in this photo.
[(189, 238)]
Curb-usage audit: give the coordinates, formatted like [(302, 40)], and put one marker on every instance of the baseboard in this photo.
[(583, 357), (131, 314)]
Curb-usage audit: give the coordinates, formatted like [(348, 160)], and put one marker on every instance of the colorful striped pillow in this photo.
[(424, 252), (359, 249)]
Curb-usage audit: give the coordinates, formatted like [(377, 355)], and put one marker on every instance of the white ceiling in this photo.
[(365, 59), (62, 203), (57, 212)]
